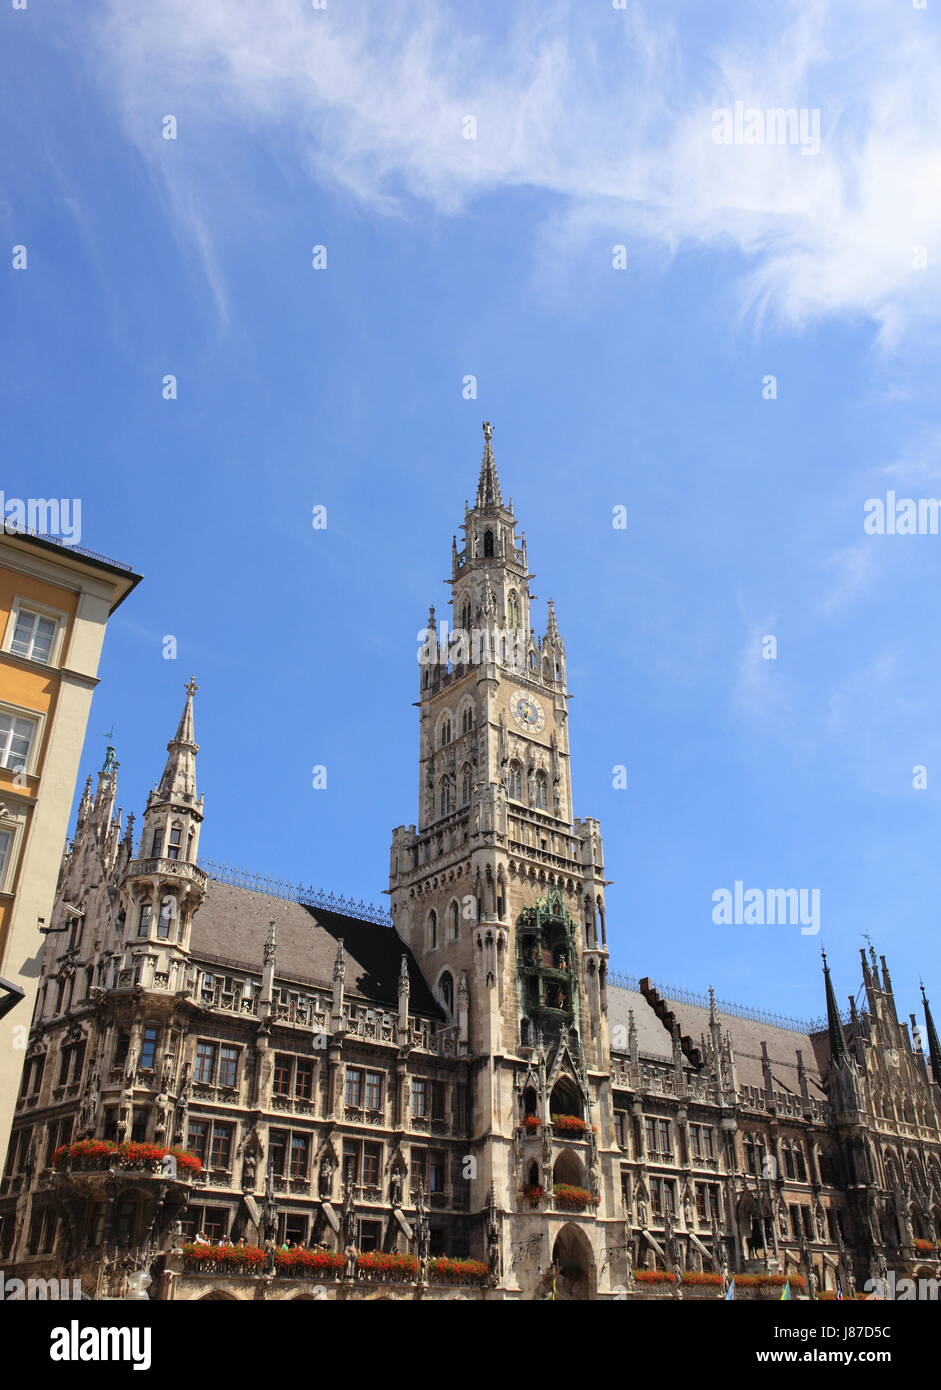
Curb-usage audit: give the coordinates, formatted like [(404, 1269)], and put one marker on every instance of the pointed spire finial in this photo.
[(934, 1045), (834, 1022), (179, 775), (488, 487)]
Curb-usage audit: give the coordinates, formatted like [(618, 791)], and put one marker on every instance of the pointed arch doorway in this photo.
[(574, 1262)]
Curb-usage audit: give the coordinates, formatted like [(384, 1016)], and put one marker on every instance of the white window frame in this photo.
[(37, 720), (43, 610), (9, 825)]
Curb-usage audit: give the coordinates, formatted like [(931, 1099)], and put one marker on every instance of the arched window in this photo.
[(799, 1162), (454, 921), (445, 730), (432, 930), (146, 913), (465, 616), (465, 785), (446, 992), (488, 542), (542, 791), (513, 610), (751, 1161), (515, 782), (788, 1161), (445, 797), (467, 719)]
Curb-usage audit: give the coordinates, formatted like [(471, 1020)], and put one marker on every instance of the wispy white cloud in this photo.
[(610, 114), (854, 568)]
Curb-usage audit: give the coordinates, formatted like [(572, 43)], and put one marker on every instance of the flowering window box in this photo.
[(531, 1124), (448, 1271), (387, 1264), (769, 1281), (225, 1259), (569, 1124), (570, 1196), (306, 1263), (101, 1153)]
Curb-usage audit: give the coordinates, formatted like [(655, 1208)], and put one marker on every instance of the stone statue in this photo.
[(249, 1170), (161, 1116), (325, 1179)]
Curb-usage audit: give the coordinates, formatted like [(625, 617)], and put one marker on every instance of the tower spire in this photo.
[(834, 1025), (488, 486), (179, 776), (934, 1046)]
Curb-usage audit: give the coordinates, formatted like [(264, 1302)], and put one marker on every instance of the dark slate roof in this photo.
[(654, 1039), (232, 925)]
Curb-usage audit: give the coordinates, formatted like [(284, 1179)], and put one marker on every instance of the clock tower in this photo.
[(499, 890)]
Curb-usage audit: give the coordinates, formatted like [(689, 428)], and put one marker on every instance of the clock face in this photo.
[(527, 711)]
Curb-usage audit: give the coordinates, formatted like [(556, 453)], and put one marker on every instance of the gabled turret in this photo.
[(163, 887)]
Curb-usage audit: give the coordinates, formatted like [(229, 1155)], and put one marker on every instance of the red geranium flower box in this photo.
[(388, 1262), (569, 1124), (128, 1155), (320, 1260), (575, 1196), (444, 1268)]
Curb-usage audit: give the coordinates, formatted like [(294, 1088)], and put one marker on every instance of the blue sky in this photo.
[(642, 387)]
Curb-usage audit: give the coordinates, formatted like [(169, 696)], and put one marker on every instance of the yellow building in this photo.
[(55, 601)]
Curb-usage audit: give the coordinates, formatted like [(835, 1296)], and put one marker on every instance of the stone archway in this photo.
[(573, 1261)]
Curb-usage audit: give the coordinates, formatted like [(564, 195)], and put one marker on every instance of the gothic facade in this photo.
[(455, 1099)]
